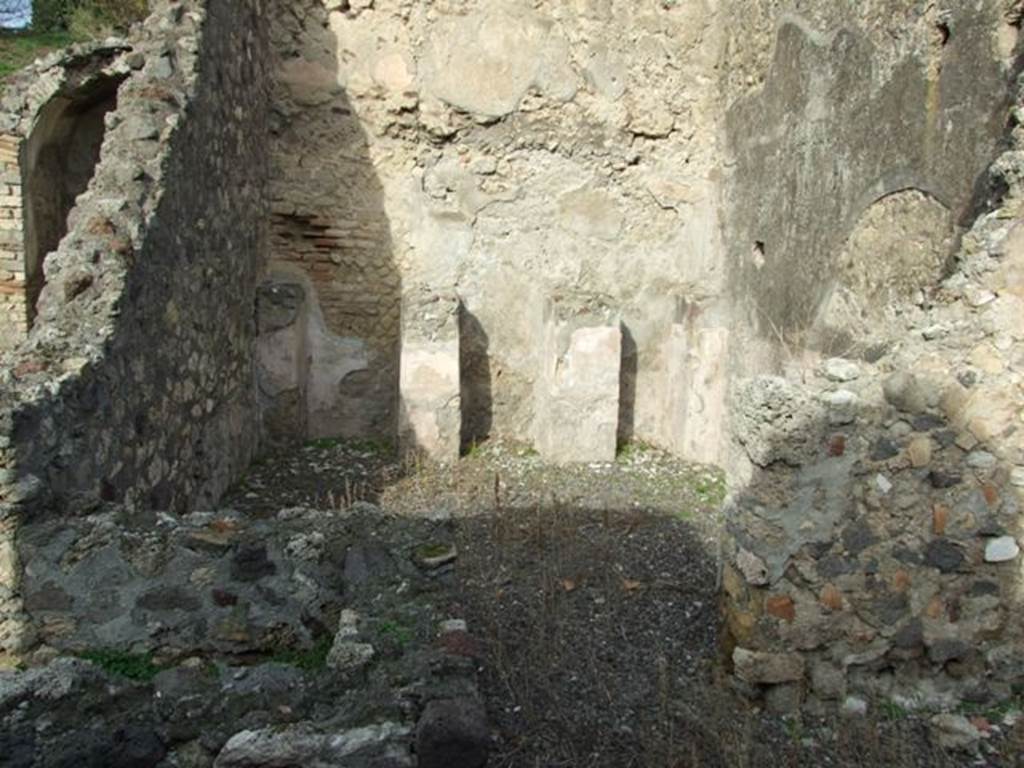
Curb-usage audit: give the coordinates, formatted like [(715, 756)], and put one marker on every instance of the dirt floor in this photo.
[(592, 600)]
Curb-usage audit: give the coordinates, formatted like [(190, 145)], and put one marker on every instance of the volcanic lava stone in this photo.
[(944, 555), (940, 479), (452, 732)]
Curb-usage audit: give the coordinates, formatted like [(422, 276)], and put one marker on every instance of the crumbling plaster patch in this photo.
[(855, 104)]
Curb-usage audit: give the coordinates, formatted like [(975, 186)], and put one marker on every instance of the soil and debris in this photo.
[(577, 607)]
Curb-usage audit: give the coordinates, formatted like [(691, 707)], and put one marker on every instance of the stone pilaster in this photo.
[(696, 368), (576, 393), (430, 414)]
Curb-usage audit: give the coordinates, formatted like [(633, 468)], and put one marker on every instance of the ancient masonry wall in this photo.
[(876, 550), (874, 529), (509, 151), (33, 136), (136, 381)]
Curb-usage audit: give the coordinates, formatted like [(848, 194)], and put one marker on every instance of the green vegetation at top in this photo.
[(19, 49), (59, 23), (85, 19)]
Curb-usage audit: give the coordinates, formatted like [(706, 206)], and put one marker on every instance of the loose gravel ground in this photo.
[(591, 593)]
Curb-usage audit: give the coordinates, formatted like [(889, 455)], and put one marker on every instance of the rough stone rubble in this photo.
[(215, 608), (604, 221), (876, 547)]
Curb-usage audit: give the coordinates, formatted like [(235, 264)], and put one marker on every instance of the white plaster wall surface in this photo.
[(429, 387), (524, 147), (577, 398)]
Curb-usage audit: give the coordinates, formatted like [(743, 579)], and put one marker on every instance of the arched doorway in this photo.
[(59, 159)]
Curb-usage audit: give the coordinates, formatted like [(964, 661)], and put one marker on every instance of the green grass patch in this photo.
[(432, 550), (325, 443), (358, 445), (994, 713), (892, 710), (400, 633), (631, 449), (711, 490), (306, 659), (19, 49), (794, 728), (375, 447), (686, 515), (134, 666)]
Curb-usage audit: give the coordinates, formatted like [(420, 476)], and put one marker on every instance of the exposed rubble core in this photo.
[(137, 381), (876, 547), (52, 132), (478, 261), (874, 550), (92, 407)]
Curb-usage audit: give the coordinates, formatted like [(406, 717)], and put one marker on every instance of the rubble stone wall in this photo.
[(52, 128), (136, 382), (874, 531)]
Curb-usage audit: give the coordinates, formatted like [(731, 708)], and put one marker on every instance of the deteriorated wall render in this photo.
[(510, 150), (854, 104), (874, 529)]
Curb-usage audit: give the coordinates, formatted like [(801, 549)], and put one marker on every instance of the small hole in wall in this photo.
[(108, 492), (942, 29), (757, 253)]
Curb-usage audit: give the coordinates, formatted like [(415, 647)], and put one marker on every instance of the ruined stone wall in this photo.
[(51, 129), (745, 188), (874, 525), (507, 151), (136, 381), (876, 549)]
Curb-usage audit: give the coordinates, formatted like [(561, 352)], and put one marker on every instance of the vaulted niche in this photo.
[(59, 159)]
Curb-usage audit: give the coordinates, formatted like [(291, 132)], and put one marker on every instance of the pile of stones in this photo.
[(217, 640)]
